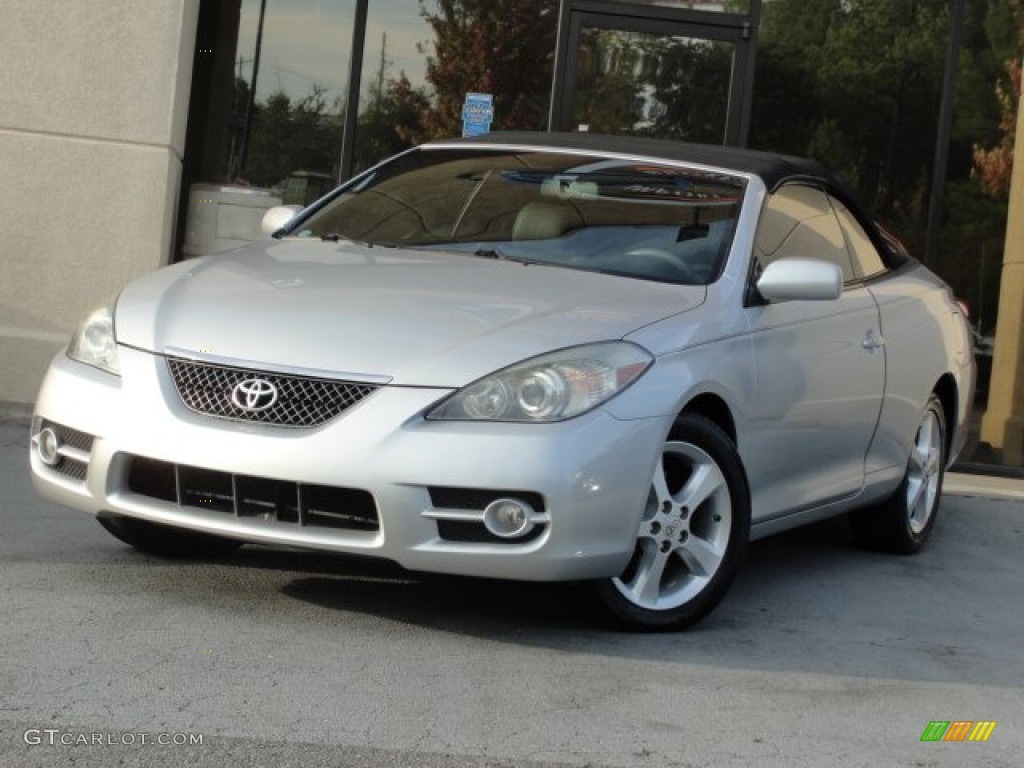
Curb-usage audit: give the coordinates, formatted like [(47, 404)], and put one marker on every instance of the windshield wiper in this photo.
[(489, 253), (494, 253)]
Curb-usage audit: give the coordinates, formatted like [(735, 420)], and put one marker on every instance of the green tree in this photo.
[(390, 121)]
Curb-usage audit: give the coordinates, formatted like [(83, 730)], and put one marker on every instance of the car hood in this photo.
[(423, 318)]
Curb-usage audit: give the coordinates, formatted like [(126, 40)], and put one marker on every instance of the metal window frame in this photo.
[(346, 160)]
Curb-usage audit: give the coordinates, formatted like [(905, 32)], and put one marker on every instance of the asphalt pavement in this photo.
[(822, 655)]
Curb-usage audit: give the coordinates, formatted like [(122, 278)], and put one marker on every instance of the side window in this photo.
[(798, 221), (866, 258)]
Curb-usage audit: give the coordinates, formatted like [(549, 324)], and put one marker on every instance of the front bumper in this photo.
[(589, 475)]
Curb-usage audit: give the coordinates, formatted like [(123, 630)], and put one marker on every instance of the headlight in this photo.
[(94, 343), (552, 387)]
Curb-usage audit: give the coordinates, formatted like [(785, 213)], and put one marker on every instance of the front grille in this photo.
[(244, 496), (301, 401)]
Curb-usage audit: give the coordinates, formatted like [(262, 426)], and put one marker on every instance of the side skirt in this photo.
[(878, 486)]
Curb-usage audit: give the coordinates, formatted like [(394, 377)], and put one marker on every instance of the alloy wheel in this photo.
[(684, 532)]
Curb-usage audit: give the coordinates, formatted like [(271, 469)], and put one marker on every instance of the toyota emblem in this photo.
[(254, 395)]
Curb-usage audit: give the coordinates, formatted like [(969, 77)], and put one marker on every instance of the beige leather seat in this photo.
[(545, 221)]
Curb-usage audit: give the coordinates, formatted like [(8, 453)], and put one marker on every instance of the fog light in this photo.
[(48, 447), (508, 518)]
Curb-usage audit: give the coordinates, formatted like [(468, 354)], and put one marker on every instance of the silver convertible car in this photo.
[(526, 356)]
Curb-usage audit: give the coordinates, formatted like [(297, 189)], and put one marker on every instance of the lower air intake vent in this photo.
[(254, 497)]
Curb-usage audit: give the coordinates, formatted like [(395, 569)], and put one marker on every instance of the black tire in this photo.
[(166, 541), (902, 523), (692, 534)]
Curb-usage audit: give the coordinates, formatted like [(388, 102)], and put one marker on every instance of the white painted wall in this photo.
[(93, 106)]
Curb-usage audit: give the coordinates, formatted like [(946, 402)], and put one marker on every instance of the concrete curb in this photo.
[(985, 486)]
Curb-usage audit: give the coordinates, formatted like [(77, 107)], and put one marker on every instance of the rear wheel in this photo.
[(903, 522), (166, 541), (691, 536)]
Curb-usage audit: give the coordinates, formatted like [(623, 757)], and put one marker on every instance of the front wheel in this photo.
[(903, 521), (166, 541), (691, 536)]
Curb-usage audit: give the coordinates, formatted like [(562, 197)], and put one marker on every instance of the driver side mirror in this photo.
[(277, 217), (800, 280)]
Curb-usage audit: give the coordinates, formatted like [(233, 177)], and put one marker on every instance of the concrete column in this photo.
[(92, 134), (1002, 426)]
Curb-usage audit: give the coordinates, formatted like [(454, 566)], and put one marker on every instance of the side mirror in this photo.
[(800, 280), (277, 217)]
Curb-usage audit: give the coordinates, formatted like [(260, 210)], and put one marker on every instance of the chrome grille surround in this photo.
[(302, 401)]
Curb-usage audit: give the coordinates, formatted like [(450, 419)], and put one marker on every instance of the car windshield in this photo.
[(633, 218)]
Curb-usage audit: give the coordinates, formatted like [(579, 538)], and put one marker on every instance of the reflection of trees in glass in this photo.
[(609, 98), (286, 135), (857, 83), (866, 95), (995, 162), (390, 116), (502, 47), (689, 80), (652, 85), (390, 121), (292, 135)]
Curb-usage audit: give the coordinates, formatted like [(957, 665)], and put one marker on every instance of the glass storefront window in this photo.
[(268, 123), (652, 85), (287, 135), (394, 93), (265, 115)]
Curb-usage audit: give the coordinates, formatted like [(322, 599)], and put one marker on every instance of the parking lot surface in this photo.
[(822, 655)]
